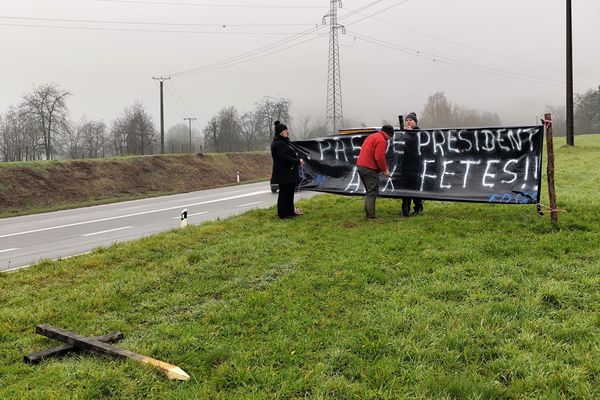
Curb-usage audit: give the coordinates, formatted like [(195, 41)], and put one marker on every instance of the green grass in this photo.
[(467, 301)]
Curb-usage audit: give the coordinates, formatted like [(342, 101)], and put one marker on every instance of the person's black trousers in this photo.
[(417, 208), (285, 200)]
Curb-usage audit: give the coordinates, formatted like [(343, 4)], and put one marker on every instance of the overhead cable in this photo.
[(162, 3)]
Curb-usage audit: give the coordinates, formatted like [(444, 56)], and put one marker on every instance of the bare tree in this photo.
[(211, 131), (441, 113), (72, 143), (304, 126), (229, 129), (437, 112), (12, 136), (177, 138), (272, 109), (250, 128), (47, 112), (559, 119), (133, 132), (19, 140), (118, 136), (223, 131), (93, 137), (587, 111)]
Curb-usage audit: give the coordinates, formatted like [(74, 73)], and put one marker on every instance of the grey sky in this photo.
[(108, 68)]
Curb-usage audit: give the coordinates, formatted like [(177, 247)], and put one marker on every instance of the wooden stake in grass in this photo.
[(550, 168), (39, 356), (103, 349)]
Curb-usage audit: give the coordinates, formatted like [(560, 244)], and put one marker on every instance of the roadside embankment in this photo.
[(37, 186)]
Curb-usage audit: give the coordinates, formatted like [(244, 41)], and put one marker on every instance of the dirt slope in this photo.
[(43, 185)]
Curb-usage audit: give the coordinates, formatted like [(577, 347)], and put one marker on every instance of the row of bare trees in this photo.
[(439, 112), (229, 130), (32, 130), (587, 114), (39, 128)]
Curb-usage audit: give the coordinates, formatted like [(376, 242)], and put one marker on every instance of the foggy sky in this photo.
[(106, 70)]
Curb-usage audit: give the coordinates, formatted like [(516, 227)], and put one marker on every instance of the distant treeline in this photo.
[(39, 127)]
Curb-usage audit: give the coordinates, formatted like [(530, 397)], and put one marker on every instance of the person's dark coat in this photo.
[(285, 161), (411, 162)]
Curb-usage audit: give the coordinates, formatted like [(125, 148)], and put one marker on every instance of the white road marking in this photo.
[(136, 214), (249, 204), (7, 250), (191, 215), (155, 198), (107, 231)]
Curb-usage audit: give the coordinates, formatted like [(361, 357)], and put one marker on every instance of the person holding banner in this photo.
[(410, 164), (371, 161), (285, 171)]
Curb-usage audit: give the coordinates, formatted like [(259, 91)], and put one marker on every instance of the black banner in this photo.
[(488, 165)]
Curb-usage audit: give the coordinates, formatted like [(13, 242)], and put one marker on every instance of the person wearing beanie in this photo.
[(371, 161), (412, 116), (410, 163), (286, 173)]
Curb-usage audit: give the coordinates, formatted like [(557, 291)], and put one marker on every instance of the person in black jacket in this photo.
[(410, 168), (286, 165)]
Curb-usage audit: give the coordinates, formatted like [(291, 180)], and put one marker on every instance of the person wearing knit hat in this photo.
[(279, 127), (371, 161), (408, 164), (412, 116), (286, 173)]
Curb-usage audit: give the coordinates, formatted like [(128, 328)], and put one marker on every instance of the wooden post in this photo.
[(103, 349), (550, 168), (39, 356)]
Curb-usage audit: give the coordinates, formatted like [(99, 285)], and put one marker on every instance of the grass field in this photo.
[(467, 301)]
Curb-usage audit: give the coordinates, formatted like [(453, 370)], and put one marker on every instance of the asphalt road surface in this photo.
[(28, 239)]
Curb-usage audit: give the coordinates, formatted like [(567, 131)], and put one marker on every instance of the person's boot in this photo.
[(418, 207), (370, 207), (405, 207)]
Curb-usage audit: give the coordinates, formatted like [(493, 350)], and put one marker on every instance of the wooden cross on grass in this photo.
[(98, 345)]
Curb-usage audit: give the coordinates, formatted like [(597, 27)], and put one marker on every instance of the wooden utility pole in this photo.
[(550, 168), (162, 113), (570, 113), (190, 121)]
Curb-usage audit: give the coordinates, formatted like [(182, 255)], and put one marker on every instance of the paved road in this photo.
[(29, 239)]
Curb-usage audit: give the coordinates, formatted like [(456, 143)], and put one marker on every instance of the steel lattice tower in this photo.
[(334, 83)]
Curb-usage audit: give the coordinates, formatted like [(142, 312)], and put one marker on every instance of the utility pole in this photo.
[(190, 121), (570, 116), (162, 113), (334, 84)]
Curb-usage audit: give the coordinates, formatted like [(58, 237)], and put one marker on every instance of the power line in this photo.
[(460, 63), (372, 15), (96, 21), (471, 47), (190, 119), (142, 30), (172, 107), (206, 4), (250, 55), (235, 59), (179, 99), (230, 64)]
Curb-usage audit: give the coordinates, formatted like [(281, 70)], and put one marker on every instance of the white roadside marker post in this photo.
[(184, 221)]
